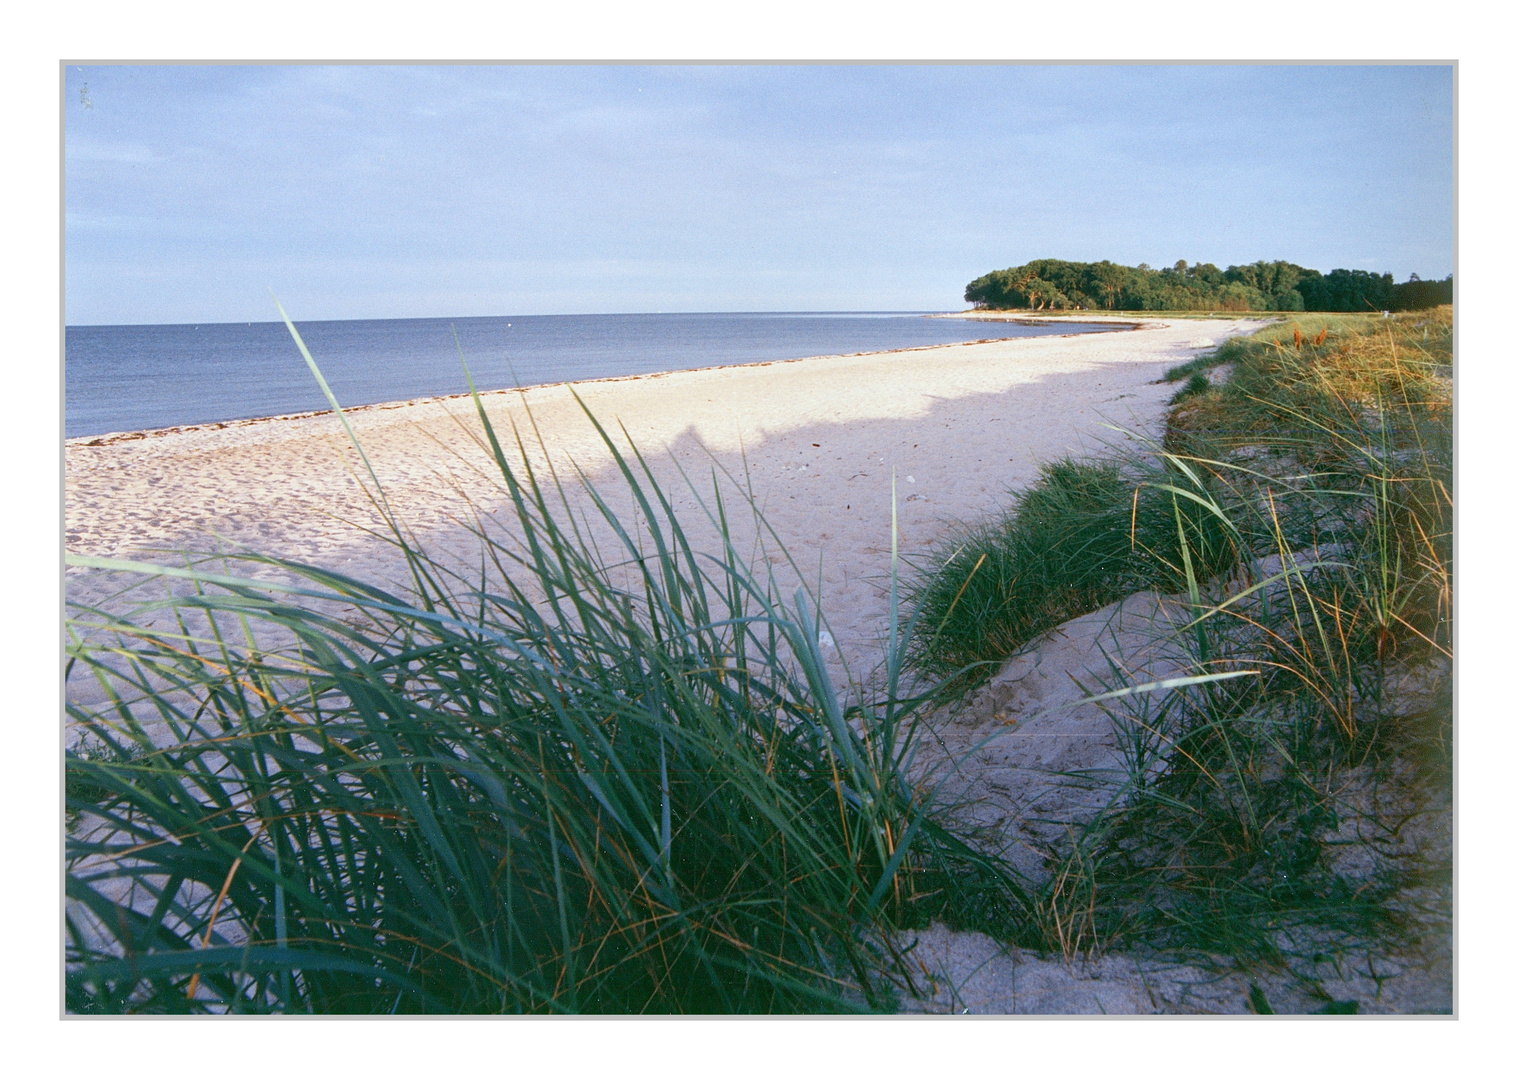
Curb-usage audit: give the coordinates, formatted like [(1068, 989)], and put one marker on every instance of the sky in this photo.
[(193, 193)]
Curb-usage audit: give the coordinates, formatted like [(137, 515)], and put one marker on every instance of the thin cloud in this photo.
[(734, 188)]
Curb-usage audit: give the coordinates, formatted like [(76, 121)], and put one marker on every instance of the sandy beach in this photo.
[(816, 439)]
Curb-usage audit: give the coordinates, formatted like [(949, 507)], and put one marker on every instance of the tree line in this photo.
[(1053, 284)]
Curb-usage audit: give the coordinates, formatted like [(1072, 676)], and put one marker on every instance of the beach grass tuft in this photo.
[(576, 781), (1086, 533)]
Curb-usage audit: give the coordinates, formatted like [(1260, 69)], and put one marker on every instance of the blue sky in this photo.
[(387, 192)]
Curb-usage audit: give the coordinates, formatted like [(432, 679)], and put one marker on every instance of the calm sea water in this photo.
[(127, 378)]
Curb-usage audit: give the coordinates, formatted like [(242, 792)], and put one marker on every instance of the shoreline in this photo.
[(815, 442), (107, 438)]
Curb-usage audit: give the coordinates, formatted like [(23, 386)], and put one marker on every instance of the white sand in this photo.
[(959, 424)]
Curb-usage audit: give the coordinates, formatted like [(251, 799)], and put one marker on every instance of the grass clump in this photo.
[(1293, 817), (1084, 534), (575, 782), (1197, 383)]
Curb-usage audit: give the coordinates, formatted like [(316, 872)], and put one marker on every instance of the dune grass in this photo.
[(1283, 819), (574, 782), (1087, 532), (1294, 328)]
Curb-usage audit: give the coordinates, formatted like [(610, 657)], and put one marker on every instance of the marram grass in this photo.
[(1316, 549), (578, 784)]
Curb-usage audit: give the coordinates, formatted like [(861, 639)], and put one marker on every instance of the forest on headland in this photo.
[(1054, 284)]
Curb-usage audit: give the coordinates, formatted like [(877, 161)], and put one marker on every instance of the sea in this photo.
[(131, 378)]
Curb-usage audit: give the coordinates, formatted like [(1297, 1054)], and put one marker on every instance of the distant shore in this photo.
[(1128, 319), (1049, 318)]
